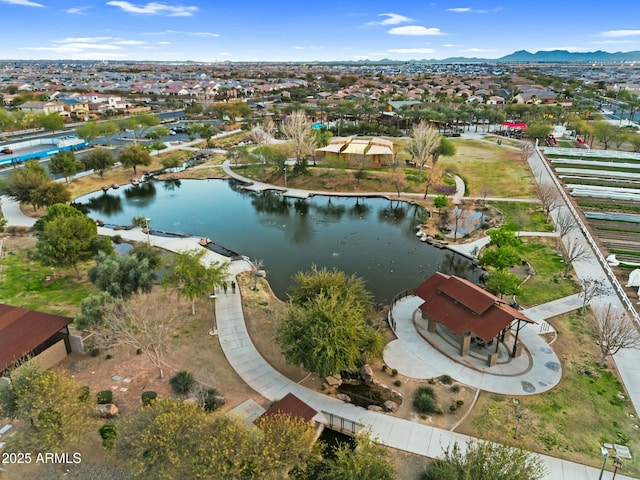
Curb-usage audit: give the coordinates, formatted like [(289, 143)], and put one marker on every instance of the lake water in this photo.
[(372, 238)]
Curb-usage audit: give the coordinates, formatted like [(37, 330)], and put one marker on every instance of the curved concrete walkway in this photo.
[(535, 371)]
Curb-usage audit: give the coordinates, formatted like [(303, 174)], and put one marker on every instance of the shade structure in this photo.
[(357, 148), (379, 150), (332, 148), (520, 126)]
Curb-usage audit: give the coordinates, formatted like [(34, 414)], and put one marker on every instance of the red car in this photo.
[(7, 150)]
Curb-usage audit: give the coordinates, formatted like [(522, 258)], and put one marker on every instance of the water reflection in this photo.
[(369, 237)]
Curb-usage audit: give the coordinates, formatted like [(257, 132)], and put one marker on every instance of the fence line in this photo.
[(622, 295), (390, 320), (342, 424)]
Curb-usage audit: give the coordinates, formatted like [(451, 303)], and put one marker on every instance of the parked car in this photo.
[(7, 150)]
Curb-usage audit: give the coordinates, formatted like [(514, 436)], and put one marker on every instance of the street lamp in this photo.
[(214, 328), (616, 465), (285, 175), (605, 454), (146, 222)]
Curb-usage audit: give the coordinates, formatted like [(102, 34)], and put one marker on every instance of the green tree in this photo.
[(100, 160), (50, 193), (440, 202), (157, 132), (139, 123), (500, 258), (134, 155), (367, 461), (193, 278), (503, 283), (503, 236), (328, 332), (29, 184), (122, 275), (92, 311), (486, 461), (51, 122), (538, 130), (67, 237), (6, 120), (89, 130), (108, 130), (54, 412), (604, 132), (64, 163)]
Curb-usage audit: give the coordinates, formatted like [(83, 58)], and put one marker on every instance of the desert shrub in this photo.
[(453, 407), (148, 397), (394, 372), (459, 403), (424, 400), (445, 379), (397, 383), (211, 399), (182, 382), (104, 397), (83, 393), (455, 388), (94, 351), (108, 433)]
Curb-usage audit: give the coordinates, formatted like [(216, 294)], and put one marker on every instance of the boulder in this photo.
[(390, 406), (333, 380), (366, 373), (107, 410), (344, 397), (375, 408)]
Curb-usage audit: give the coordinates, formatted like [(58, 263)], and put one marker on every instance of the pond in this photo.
[(372, 238)]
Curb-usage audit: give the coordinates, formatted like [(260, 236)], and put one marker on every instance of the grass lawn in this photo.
[(485, 166), (589, 406), (24, 283), (548, 283), (528, 216)]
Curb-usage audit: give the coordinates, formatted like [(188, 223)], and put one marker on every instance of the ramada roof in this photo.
[(291, 405), (463, 307), (23, 330)]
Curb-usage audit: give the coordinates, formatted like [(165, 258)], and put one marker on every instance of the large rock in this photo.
[(344, 397), (390, 406), (366, 373), (375, 408), (108, 410), (333, 380)]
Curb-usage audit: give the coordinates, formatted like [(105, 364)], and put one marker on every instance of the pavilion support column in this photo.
[(465, 344), (431, 325)]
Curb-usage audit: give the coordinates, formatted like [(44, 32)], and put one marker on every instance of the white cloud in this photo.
[(451, 45), (83, 39), (476, 50), (73, 48), (415, 30), (225, 54), (620, 33), (459, 9), (411, 50), (77, 10), (191, 34), (23, 3), (298, 48), (155, 8), (164, 43), (129, 42), (392, 19), (611, 42)]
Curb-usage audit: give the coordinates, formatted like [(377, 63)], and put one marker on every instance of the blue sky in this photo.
[(322, 30)]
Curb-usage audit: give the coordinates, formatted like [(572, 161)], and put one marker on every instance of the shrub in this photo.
[(394, 372), (182, 382), (148, 397), (453, 407), (459, 403), (94, 351), (384, 368), (108, 357), (424, 400), (397, 383), (108, 433), (445, 379), (104, 396), (211, 400), (455, 388), (138, 351), (83, 393)]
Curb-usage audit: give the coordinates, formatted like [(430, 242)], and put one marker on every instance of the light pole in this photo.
[(616, 465), (285, 175), (146, 221), (605, 454), (214, 328)]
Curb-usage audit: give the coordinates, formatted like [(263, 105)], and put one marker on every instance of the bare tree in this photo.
[(459, 218), (257, 270), (484, 193), (565, 223), (146, 321), (398, 181), (549, 196), (424, 142), (526, 150), (298, 131), (616, 331), (592, 288), (574, 250), (269, 128)]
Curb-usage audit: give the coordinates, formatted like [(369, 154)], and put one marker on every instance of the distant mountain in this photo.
[(552, 56)]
